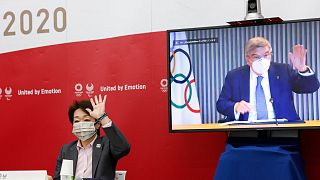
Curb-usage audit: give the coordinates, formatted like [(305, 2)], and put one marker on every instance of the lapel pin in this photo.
[(278, 77), (98, 146)]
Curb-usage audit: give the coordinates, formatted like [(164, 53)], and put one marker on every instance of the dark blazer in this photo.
[(283, 80), (106, 152)]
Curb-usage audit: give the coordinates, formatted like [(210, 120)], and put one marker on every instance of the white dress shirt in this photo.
[(266, 89)]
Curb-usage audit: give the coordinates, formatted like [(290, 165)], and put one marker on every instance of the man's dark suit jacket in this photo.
[(283, 80), (105, 154)]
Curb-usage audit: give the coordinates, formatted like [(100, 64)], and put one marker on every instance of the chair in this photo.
[(120, 175)]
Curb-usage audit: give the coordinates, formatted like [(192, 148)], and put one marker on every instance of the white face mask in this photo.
[(84, 130), (261, 66)]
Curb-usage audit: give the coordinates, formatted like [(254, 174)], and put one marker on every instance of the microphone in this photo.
[(271, 101)]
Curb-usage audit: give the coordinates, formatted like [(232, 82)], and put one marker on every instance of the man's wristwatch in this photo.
[(305, 71)]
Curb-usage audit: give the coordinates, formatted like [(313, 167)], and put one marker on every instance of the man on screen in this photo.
[(263, 89)]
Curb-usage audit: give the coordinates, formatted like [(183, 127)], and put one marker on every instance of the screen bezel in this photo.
[(238, 128)]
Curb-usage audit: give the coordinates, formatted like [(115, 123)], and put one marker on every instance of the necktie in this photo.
[(261, 106)]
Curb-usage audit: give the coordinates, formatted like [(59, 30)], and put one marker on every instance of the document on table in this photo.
[(262, 121)]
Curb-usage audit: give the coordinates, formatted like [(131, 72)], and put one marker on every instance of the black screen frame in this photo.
[(171, 130)]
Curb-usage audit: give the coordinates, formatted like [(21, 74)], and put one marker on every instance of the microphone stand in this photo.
[(271, 101)]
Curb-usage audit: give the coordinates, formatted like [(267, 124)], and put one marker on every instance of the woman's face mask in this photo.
[(261, 66), (84, 130)]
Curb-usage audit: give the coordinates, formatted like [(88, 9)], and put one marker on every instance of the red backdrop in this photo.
[(34, 127)]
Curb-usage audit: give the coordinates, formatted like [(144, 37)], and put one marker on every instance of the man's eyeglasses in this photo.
[(256, 56)]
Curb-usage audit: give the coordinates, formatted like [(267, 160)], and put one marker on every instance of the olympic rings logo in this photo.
[(174, 78), (173, 56)]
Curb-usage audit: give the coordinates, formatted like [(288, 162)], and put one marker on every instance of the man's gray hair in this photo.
[(257, 42)]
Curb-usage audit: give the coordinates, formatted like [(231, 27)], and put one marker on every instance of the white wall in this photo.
[(98, 19), (171, 14)]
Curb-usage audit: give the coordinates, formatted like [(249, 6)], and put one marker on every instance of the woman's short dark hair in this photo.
[(83, 105)]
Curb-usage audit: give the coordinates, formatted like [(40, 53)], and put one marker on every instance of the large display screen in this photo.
[(200, 58)]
